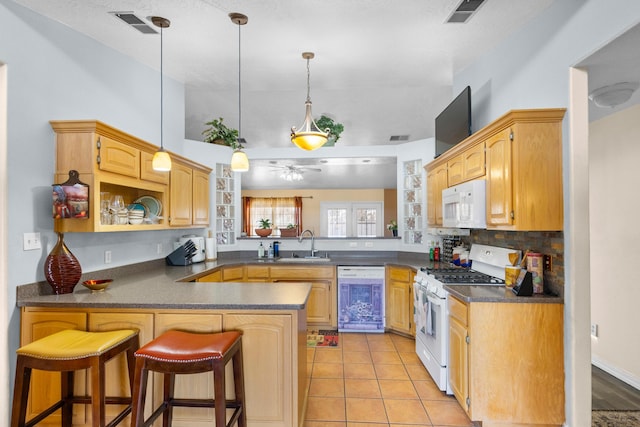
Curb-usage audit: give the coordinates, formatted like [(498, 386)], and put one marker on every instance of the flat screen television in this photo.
[(454, 123)]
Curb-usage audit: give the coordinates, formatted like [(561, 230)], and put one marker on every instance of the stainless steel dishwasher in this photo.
[(361, 299)]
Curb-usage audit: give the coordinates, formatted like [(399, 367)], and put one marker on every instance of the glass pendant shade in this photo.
[(309, 137), (161, 161), (239, 161)]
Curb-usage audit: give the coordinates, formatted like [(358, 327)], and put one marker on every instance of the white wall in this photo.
[(614, 175), (531, 70), (56, 73)]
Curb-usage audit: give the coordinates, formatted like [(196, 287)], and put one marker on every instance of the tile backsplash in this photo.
[(544, 242)]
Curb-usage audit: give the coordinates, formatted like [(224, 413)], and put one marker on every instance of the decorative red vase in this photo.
[(61, 268)]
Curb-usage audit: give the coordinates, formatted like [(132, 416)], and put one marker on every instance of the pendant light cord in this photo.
[(308, 82), (239, 90), (161, 94)]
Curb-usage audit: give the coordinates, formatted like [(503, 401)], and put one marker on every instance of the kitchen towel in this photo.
[(211, 251)]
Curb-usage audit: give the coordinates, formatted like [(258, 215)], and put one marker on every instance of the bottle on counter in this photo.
[(436, 252), (270, 253), (260, 251), (431, 252)]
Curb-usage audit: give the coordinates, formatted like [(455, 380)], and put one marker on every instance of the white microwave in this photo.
[(464, 205)]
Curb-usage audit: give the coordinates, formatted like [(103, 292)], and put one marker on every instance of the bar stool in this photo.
[(178, 352), (68, 351)]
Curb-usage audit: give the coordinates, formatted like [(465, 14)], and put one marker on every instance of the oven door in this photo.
[(431, 324)]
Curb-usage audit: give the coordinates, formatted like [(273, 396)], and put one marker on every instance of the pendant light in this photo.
[(309, 137), (161, 160), (239, 159)]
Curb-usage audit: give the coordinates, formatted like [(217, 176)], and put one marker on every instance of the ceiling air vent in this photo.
[(464, 11), (398, 138), (132, 20)]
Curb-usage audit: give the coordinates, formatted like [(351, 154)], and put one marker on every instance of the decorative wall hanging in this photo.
[(71, 198)]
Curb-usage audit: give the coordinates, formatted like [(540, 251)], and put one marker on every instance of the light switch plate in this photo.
[(31, 241)]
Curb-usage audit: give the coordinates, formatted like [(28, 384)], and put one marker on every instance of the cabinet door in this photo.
[(233, 274), (319, 303), (455, 168), (436, 182), (269, 368), (45, 386), (499, 185), (118, 158), (196, 386), (200, 198), (257, 273), (458, 362), (117, 375), (146, 170), (181, 190), (398, 307), (473, 163)]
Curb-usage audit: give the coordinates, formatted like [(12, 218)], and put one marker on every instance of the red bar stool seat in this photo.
[(68, 351), (178, 352)]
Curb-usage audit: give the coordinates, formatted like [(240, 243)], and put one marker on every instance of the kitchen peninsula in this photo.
[(272, 317)]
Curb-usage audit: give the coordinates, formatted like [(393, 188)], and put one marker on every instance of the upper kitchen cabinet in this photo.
[(189, 200), (114, 162), (520, 157)]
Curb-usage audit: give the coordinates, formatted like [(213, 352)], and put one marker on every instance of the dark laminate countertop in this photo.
[(502, 294)]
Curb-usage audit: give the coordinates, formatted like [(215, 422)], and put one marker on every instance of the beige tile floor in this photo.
[(375, 380)]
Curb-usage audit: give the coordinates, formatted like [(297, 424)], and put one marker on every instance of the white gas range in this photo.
[(430, 303)]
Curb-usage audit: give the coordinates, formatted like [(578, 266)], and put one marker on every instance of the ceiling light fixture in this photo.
[(613, 95), (161, 160), (239, 159), (291, 175), (310, 137)]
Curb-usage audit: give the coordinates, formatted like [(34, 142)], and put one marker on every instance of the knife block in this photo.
[(178, 257)]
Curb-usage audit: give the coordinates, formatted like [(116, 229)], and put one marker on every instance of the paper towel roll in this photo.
[(211, 250)]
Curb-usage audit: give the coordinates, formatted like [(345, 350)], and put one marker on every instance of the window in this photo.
[(351, 219), (280, 211)]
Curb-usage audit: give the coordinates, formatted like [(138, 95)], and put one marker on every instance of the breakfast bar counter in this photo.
[(271, 316)]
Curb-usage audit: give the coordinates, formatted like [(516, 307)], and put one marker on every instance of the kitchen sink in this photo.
[(303, 260)]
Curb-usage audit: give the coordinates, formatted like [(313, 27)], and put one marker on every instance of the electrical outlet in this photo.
[(31, 241), (594, 330), (159, 248), (368, 244), (353, 244), (547, 262), (107, 257)]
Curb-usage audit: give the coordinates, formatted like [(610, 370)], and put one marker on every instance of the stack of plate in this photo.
[(152, 207), (136, 213)]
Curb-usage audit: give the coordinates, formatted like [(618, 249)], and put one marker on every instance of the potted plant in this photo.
[(265, 228), (219, 133), (290, 231), (393, 227), (335, 129)]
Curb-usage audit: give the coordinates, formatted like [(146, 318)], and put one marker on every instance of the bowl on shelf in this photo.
[(97, 285)]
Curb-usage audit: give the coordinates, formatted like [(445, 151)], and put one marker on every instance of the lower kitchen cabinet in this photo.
[(399, 301), (506, 361), (45, 386), (274, 359)]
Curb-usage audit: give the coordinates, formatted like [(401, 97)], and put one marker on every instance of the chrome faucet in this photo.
[(313, 250)]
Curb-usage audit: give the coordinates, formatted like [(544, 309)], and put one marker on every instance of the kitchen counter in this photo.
[(500, 294)]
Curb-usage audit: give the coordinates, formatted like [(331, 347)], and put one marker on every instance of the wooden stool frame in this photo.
[(67, 367), (171, 368)]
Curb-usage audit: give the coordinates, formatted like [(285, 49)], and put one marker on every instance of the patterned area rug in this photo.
[(322, 338), (600, 418)]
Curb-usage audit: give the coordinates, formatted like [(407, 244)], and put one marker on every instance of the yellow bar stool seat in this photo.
[(66, 352)]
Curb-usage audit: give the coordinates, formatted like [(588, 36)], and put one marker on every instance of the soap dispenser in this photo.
[(260, 251)]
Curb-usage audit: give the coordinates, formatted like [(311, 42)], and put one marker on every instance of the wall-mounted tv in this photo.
[(454, 123)]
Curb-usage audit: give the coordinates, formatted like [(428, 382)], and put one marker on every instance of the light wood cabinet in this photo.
[(274, 356), (114, 162), (510, 353), (214, 276), (233, 273), (520, 156), (524, 175), (194, 386), (399, 305), (117, 375), (181, 202), (436, 182), (45, 386)]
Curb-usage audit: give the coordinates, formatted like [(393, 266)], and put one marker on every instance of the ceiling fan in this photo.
[(293, 173)]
